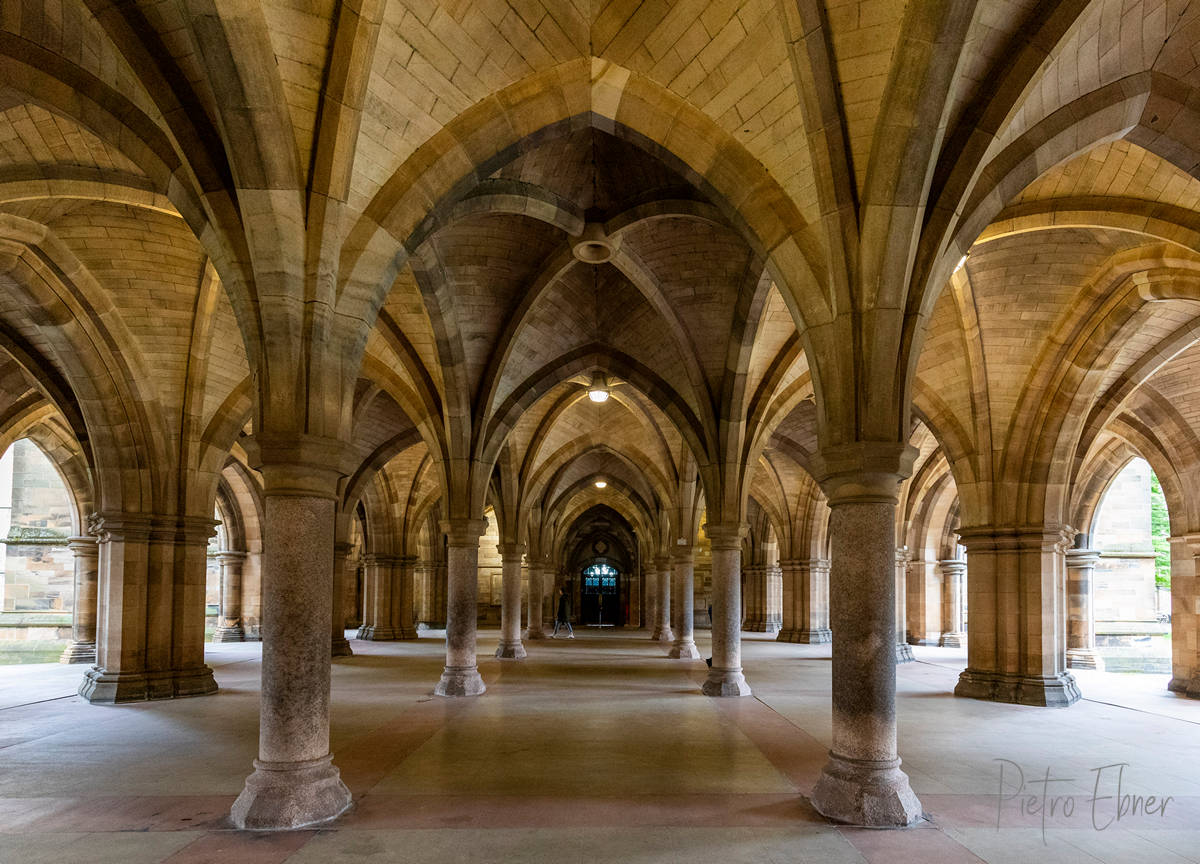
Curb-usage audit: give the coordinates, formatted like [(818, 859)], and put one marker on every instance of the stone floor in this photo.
[(593, 749)]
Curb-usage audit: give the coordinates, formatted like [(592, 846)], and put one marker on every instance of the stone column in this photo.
[(377, 623), (461, 675), (252, 594), (684, 647), (229, 624), (725, 676), (533, 602), (1081, 623), (295, 782), (510, 602), (339, 645), (123, 549), (650, 576), (954, 574), (755, 597), (774, 584), (662, 612), (787, 627), (403, 595), (440, 594), (1185, 616), (862, 783), (150, 608), (183, 542), (903, 649), (809, 601), (1016, 641), (82, 647), (351, 601)]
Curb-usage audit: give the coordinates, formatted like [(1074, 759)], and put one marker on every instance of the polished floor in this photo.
[(597, 749)]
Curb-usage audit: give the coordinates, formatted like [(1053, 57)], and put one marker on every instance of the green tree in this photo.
[(1160, 530)]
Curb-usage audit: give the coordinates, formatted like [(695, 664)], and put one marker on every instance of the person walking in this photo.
[(564, 612)]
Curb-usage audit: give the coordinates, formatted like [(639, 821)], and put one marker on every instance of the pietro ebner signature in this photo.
[(1047, 798)]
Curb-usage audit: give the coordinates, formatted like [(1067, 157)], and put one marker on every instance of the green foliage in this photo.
[(1160, 530), (36, 536)]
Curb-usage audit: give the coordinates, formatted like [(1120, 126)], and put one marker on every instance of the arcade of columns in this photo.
[(862, 282)]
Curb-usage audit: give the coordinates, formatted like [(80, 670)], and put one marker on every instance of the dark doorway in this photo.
[(601, 595)]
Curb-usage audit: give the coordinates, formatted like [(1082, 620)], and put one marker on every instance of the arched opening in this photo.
[(601, 556), (37, 591), (1131, 573)]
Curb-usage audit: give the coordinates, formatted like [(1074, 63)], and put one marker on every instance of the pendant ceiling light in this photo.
[(598, 389)]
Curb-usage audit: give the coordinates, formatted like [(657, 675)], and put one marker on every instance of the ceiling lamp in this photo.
[(598, 389), (600, 484)]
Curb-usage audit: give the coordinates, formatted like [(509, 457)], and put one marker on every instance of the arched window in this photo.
[(37, 570), (600, 579), (1131, 593)]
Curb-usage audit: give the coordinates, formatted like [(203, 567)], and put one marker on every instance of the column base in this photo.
[(234, 633), (459, 681), (341, 648), (406, 634), (725, 682), (79, 652), (904, 653), (535, 634), (869, 793), (684, 651), (761, 627), (1084, 658), (953, 640), (511, 650), (290, 795), (1057, 691), (667, 636), (823, 636), (656, 634), (194, 682), (1186, 686), (113, 688), (371, 633)]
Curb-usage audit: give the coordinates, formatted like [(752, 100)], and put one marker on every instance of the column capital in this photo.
[(682, 555), (727, 536), (953, 566), (297, 464), (229, 556), (983, 538), (662, 562), (509, 551), (863, 472), (186, 530), (113, 525), (1191, 541), (463, 532), (1082, 557), (83, 547)]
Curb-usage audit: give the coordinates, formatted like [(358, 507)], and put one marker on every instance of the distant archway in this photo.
[(1131, 599)]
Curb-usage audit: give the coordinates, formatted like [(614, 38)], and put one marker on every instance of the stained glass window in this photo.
[(600, 579)]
